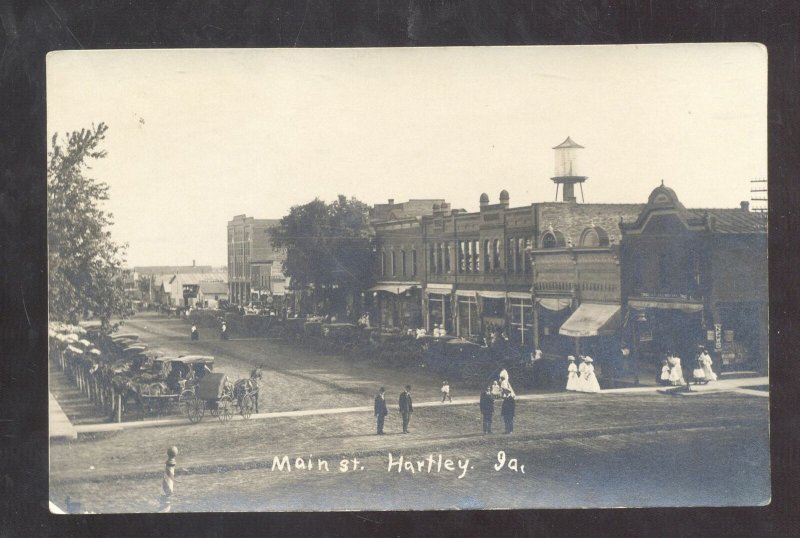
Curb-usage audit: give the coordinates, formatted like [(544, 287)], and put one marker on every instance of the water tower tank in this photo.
[(566, 155)]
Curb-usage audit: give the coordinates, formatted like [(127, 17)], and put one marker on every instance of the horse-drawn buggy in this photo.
[(221, 398), (169, 381)]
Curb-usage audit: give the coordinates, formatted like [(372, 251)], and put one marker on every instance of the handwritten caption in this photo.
[(397, 463)]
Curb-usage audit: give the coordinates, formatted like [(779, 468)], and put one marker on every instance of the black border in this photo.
[(32, 28)]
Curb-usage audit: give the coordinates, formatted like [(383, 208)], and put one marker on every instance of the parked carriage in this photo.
[(217, 395), (170, 381)]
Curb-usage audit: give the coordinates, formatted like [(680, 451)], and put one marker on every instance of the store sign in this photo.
[(717, 336)]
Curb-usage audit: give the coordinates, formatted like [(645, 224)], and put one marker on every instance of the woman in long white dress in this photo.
[(590, 380), (676, 372), (572, 374), (580, 383), (705, 359)]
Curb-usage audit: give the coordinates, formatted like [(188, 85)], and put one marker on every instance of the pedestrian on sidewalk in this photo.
[(705, 359), (580, 383), (572, 374), (507, 411), (590, 383), (676, 371), (699, 374), (380, 409), (195, 335), (223, 332), (406, 407), (663, 378), (487, 409), (446, 391)]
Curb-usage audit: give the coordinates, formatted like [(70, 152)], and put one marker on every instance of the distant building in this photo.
[(184, 288), (210, 293), (402, 210), (252, 261)]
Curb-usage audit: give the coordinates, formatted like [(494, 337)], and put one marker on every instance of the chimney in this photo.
[(192, 263), (745, 206), (391, 201)]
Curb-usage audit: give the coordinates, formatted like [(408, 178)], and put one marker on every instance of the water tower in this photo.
[(567, 172)]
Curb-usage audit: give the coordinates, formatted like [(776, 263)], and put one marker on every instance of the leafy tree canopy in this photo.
[(84, 263), (326, 244)]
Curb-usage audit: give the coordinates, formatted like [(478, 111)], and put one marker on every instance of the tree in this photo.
[(327, 245), (84, 273)]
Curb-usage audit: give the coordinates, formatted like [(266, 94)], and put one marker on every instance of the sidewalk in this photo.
[(731, 385), (60, 426)]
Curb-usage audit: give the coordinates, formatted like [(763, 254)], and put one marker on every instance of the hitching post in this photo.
[(168, 483)]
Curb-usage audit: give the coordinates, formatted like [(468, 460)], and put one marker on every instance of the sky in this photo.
[(198, 136)]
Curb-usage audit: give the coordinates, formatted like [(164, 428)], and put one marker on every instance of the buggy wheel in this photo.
[(185, 401), (246, 406), (225, 409), (195, 409)]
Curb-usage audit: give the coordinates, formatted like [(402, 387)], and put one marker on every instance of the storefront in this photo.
[(396, 305), (439, 308), (520, 319), (551, 313), (492, 308), (467, 318)]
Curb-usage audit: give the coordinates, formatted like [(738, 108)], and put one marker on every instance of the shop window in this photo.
[(495, 308), (521, 322), (468, 322)]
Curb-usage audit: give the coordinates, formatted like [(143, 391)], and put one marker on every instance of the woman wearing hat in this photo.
[(590, 383), (580, 382), (572, 374), (705, 360), (676, 372)]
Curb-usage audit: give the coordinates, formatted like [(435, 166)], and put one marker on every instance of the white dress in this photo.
[(580, 383), (665, 373), (590, 380), (705, 358), (676, 373), (572, 376)]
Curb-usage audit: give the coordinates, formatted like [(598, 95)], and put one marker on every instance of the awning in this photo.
[(519, 295), (397, 289), (592, 319), (683, 306), (439, 288), (466, 293), (554, 304), (492, 294)]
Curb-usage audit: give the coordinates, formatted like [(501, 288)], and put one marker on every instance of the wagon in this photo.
[(215, 394), (169, 381)]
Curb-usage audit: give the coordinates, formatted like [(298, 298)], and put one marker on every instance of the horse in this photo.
[(249, 386)]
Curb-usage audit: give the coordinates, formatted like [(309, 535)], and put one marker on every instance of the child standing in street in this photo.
[(446, 391)]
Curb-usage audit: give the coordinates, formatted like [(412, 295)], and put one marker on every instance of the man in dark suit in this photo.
[(487, 409), (380, 409), (405, 407), (508, 410)]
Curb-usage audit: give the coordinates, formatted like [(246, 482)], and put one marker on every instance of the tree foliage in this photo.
[(326, 244), (84, 262)]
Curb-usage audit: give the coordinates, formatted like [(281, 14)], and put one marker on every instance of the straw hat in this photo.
[(570, 358), (588, 359)]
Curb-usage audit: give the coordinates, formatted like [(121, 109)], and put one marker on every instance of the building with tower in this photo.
[(544, 275)]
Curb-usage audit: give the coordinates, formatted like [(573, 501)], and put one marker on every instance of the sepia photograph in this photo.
[(435, 278)]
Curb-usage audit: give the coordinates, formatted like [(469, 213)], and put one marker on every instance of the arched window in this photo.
[(486, 261), (383, 263), (496, 255), (549, 240), (394, 264), (447, 257), (403, 262), (594, 237), (414, 262)]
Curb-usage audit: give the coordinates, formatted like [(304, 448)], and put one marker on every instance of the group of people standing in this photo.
[(499, 388), (404, 403), (672, 371), (581, 377)]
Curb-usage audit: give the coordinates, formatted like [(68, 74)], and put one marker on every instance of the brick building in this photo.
[(696, 277), (546, 275), (252, 262)]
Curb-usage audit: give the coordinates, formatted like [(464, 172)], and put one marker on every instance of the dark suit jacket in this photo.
[(487, 404), (380, 407), (405, 403), (509, 406)]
